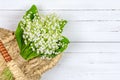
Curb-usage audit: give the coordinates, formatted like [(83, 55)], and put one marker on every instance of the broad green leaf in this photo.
[(62, 24), (32, 55), (64, 41), (6, 74), (18, 34), (34, 10), (24, 49)]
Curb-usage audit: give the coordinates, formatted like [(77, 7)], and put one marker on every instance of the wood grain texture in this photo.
[(61, 4), (94, 47), (86, 66), (93, 29)]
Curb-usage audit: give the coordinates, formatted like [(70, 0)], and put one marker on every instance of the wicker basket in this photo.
[(33, 69)]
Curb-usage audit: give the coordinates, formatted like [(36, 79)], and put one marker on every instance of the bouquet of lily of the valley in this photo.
[(37, 46)]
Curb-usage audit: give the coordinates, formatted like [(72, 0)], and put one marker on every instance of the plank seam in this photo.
[(94, 41), (63, 9)]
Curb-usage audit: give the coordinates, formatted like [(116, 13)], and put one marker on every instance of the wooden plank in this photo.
[(85, 58), (46, 4), (72, 61), (93, 36), (94, 47), (86, 15), (60, 4), (93, 26), (70, 15), (75, 73)]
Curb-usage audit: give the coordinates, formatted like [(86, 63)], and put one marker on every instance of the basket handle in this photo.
[(4, 52)]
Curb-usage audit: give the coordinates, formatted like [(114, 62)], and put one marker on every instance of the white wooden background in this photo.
[(93, 29)]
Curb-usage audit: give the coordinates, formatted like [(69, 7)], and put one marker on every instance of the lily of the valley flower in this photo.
[(40, 35), (43, 33)]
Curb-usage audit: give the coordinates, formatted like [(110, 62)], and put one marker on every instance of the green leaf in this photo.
[(66, 40), (18, 34), (25, 50), (24, 53), (63, 41), (6, 74), (61, 49), (32, 55), (34, 10), (62, 24)]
